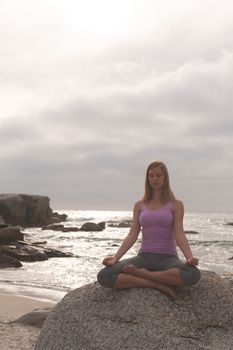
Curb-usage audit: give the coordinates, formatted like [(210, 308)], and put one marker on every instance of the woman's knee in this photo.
[(191, 275), (106, 278)]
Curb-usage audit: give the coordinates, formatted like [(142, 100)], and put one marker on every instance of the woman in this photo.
[(160, 215)]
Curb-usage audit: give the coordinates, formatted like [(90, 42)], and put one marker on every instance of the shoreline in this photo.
[(17, 336), (33, 292), (14, 305)]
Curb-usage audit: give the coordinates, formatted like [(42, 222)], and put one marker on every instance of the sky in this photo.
[(93, 91)]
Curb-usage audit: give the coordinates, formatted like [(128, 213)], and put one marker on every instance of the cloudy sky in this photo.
[(93, 91)]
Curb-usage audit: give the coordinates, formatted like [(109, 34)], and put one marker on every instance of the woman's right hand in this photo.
[(192, 261), (110, 260)]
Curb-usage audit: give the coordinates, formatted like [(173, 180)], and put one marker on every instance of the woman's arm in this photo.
[(129, 240), (180, 237)]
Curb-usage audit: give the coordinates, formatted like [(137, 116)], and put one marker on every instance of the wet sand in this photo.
[(16, 336)]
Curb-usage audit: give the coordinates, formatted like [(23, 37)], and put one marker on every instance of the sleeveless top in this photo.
[(157, 230)]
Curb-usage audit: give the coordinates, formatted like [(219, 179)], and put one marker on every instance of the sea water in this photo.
[(53, 278)]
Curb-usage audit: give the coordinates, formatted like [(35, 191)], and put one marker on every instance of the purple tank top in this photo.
[(157, 230)]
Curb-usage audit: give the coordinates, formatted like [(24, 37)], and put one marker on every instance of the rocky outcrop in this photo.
[(2, 223), (56, 218), (27, 210), (10, 234), (7, 261), (34, 318), (87, 226), (59, 227), (94, 318), (125, 224), (28, 252), (91, 226), (13, 249)]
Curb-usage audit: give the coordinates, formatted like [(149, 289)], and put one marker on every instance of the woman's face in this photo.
[(156, 178)]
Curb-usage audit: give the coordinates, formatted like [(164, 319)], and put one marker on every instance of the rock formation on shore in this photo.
[(94, 318), (23, 210), (27, 210)]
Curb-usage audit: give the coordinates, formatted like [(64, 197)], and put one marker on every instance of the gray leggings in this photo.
[(153, 262)]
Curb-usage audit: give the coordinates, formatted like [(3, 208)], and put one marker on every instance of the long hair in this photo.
[(166, 193)]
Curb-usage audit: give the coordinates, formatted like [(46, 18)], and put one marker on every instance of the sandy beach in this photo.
[(16, 336)]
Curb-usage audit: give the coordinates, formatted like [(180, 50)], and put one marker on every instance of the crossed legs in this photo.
[(139, 277), (170, 277), (157, 271)]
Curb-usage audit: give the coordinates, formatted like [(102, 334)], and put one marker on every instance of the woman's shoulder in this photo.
[(178, 204), (138, 206)]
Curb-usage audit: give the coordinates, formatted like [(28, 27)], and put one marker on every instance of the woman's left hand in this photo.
[(192, 261)]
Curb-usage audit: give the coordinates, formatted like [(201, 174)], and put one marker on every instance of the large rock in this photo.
[(2, 223), (23, 252), (7, 261), (95, 318), (10, 234), (91, 226), (12, 209), (26, 210), (56, 218), (29, 252)]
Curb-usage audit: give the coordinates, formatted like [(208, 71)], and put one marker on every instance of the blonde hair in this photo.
[(166, 194)]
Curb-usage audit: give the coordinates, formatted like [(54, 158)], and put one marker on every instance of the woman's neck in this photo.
[(156, 197)]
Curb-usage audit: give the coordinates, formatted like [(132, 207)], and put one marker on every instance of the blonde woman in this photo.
[(160, 217)]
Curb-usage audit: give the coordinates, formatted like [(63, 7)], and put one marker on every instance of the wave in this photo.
[(215, 243), (80, 218), (48, 293), (87, 239), (37, 285)]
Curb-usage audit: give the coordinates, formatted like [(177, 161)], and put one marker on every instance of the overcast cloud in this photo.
[(92, 92)]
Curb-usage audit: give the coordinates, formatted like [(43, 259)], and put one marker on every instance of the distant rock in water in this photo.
[(27, 210), (91, 226), (53, 227), (230, 223), (125, 224), (56, 218), (96, 318), (59, 227), (191, 232), (122, 224)]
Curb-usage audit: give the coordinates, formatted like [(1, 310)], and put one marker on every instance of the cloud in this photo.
[(82, 125)]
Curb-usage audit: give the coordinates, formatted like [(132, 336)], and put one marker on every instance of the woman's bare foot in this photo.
[(167, 290), (133, 270)]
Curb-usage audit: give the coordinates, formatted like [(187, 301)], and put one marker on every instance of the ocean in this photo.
[(53, 278)]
